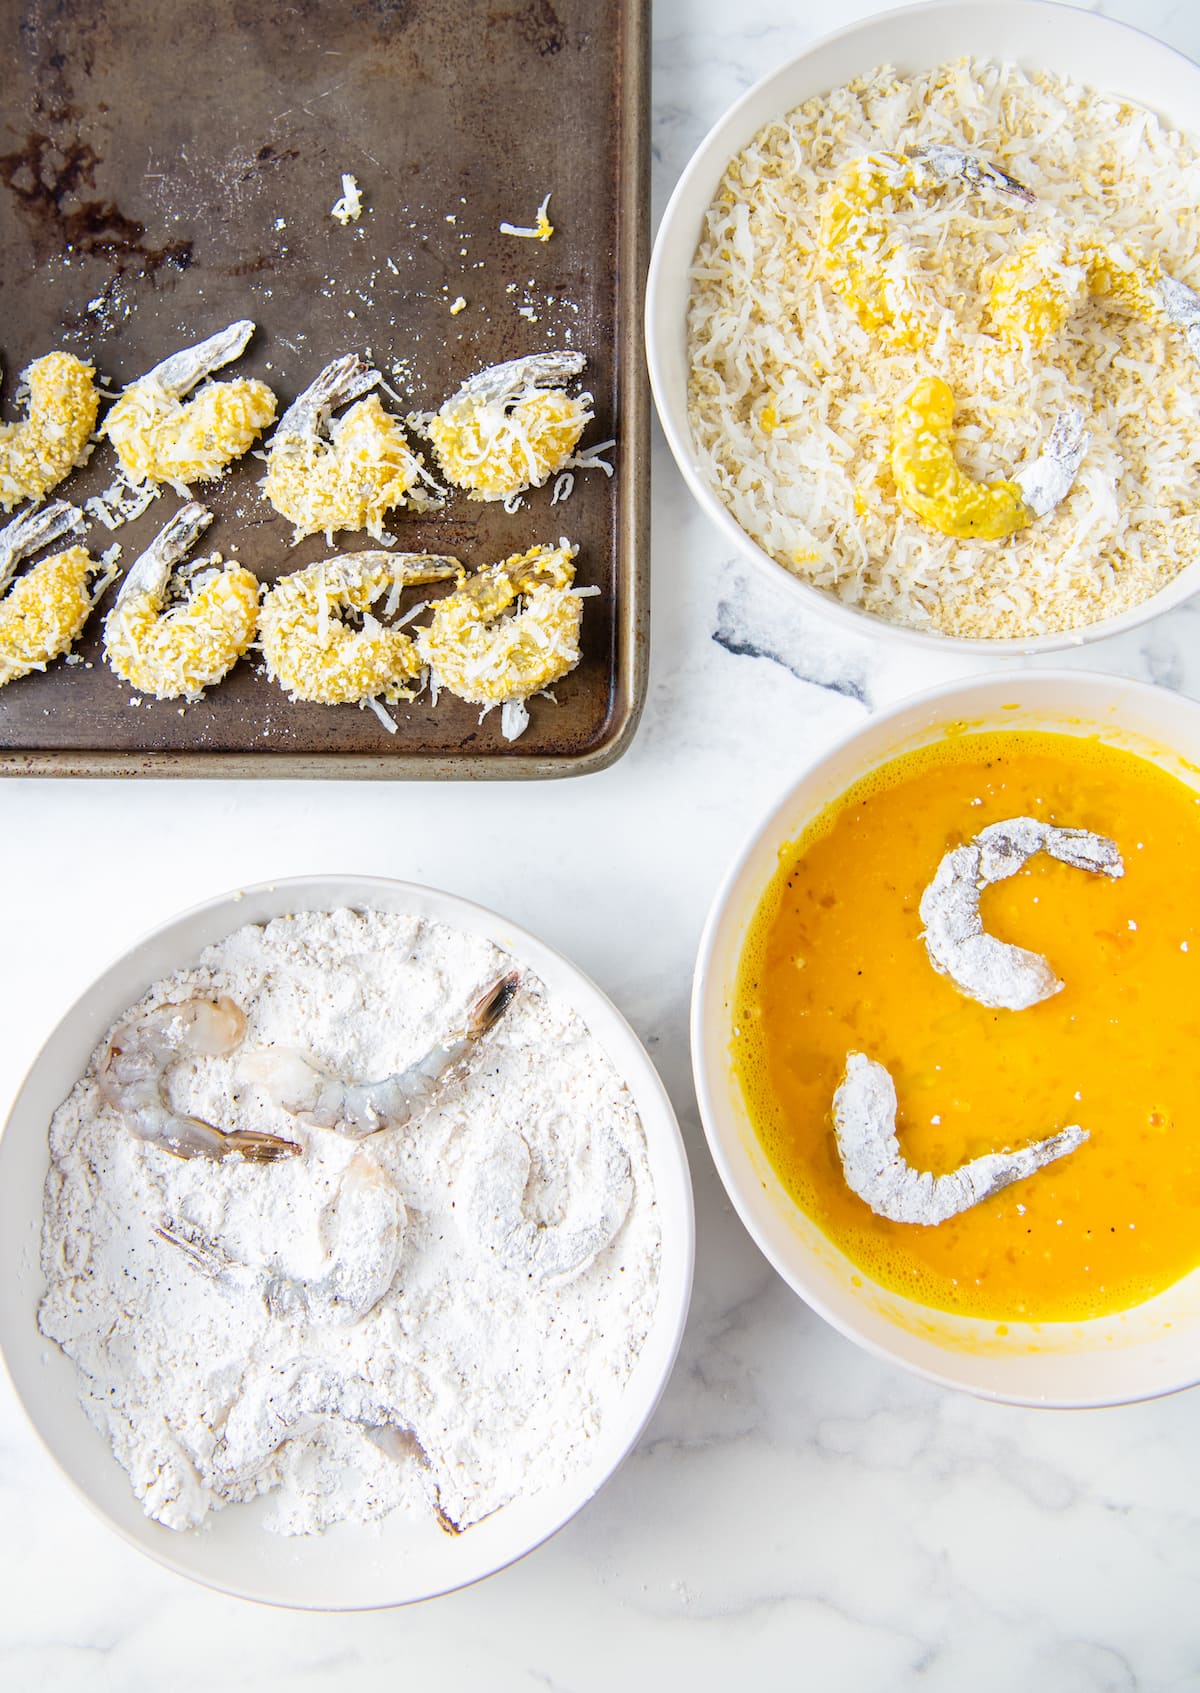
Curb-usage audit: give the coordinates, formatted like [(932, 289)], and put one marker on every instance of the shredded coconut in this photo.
[(503, 1245)]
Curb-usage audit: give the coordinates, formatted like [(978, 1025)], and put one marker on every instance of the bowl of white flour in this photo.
[(348, 1237)]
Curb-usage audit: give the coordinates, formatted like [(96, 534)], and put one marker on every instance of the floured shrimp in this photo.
[(511, 427), (161, 437), (136, 1065), (52, 439), (984, 968), (175, 651), (1034, 292), (861, 244), (361, 1233), (321, 1099), (548, 1252), (43, 613), (289, 1406), (347, 474), (507, 632), (323, 632), (864, 1120), (932, 484)]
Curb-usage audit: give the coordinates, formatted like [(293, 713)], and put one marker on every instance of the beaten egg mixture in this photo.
[(835, 963)]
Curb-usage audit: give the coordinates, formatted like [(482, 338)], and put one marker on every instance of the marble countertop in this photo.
[(797, 1513)]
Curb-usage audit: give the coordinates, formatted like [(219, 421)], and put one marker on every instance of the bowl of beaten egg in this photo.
[(922, 326), (944, 1028)]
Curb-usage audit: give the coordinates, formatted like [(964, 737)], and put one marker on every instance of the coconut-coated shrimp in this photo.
[(361, 1232), (864, 1120), (52, 439), (42, 614), (932, 484), (322, 632), (133, 1076), (161, 437), (1038, 288), (321, 1099), (508, 631), (176, 651), (347, 474), (510, 427), (996, 974), (861, 246)]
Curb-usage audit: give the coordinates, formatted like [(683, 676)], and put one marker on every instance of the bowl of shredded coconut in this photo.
[(356, 1257), (923, 326)]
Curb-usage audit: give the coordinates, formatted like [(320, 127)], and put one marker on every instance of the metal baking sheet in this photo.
[(167, 168)]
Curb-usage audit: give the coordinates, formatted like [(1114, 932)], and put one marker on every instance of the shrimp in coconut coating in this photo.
[(508, 632), (43, 613), (175, 651), (161, 437), (322, 631), (52, 438), (349, 473), (511, 427)]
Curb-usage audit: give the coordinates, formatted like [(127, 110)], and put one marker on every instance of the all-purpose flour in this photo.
[(214, 1309)]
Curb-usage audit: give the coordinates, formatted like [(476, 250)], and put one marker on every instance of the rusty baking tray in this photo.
[(166, 168)]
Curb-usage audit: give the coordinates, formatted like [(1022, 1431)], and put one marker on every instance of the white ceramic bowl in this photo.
[(349, 1567), (1109, 56), (1151, 1349)]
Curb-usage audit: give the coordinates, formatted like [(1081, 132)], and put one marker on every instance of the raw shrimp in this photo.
[(864, 1120), (41, 616), (322, 632), (511, 427), (509, 631), (140, 1055), (321, 1099), (347, 474), (361, 1233), (160, 437), (176, 651), (930, 482), (991, 971), (290, 1406), (861, 246), (1035, 291), (52, 439), (549, 1252)]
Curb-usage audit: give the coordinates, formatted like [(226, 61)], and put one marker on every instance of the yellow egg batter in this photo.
[(835, 963)]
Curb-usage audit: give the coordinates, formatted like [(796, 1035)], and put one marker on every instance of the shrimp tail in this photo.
[(33, 530), (180, 373)]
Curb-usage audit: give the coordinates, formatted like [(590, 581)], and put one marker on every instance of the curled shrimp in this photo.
[(861, 247), (996, 974), (52, 439), (509, 631), (42, 614), (160, 437), (864, 1119), (347, 474), (1038, 288), (138, 1059), (932, 484), (321, 1099), (323, 632), (176, 651), (361, 1237), (550, 1253), (511, 427)]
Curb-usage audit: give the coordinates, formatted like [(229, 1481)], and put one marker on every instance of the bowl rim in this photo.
[(655, 1109), (950, 695), (661, 325)]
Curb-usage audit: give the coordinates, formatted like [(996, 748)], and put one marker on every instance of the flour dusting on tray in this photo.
[(439, 1315)]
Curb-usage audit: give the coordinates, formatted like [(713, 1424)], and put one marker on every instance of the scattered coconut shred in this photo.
[(791, 401), (240, 1364)]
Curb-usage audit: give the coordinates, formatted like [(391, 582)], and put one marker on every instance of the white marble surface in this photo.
[(798, 1514)]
